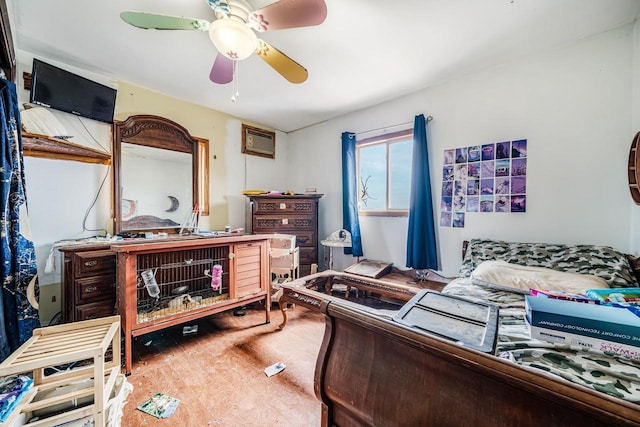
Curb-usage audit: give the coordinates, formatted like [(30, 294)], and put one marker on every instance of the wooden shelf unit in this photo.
[(36, 145), (59, 345)]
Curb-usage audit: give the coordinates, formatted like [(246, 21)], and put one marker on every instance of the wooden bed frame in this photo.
[(373, 371)]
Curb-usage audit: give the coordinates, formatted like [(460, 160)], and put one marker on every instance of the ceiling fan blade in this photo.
[(222, 70), (289, 14), (152, 21), (287, 67)]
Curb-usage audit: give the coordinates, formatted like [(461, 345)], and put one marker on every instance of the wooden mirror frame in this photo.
[(157, 132), (634, 169)]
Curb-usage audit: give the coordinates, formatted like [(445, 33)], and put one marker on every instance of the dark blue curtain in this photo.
[(19, 294), (350, 220), (421, 238)]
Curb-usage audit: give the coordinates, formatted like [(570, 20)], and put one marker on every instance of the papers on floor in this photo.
[(276, 368), (159, 405)]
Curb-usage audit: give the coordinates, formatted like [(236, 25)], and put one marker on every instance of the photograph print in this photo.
[(486, 203), (447, 188), (503, 150), (447, 173), (519, 148), (473, 204), (488, 152), (458, 219), (473, 153), (518, 203), (445, 219), (519, 167), (461, 155), (449, 156)]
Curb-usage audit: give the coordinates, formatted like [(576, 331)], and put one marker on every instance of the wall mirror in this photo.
[(156, 174)]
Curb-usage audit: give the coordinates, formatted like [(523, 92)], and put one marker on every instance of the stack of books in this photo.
[(607, 328)]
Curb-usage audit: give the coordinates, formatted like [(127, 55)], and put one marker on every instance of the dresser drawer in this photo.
[(281, 223), (306, 238), (308, 255), (97, 288), (284, 205), (89, 263), (95, 310)]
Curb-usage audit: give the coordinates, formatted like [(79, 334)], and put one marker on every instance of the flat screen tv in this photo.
[(62, 90)]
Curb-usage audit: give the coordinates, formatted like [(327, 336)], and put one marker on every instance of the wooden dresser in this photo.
[(89, 282), (296, 215)]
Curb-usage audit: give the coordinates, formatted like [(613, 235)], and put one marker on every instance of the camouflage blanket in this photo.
[(602, 261), (616, 376)]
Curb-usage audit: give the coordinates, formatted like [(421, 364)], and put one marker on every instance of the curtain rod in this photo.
[(427, 119)]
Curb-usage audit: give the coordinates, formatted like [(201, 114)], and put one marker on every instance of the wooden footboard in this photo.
[(372, 371)]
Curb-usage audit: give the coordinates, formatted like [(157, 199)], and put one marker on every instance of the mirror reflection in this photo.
[(155, 175), (155, 188)]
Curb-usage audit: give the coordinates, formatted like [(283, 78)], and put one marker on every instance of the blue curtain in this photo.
[(350, 220), (421, 238), (19, 315)]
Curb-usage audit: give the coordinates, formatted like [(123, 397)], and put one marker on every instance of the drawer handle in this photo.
[(302, 239), (90, 289), (91, 263)]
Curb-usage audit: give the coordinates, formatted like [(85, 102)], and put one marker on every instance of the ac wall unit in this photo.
[(258, 142)]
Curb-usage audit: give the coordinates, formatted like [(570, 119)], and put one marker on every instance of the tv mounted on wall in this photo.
[(62, 90)]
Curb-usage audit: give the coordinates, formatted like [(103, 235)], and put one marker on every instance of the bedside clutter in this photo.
[(600, 325)]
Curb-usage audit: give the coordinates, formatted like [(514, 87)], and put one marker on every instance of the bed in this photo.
[(374, 371)]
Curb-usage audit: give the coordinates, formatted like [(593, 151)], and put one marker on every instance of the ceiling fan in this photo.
[(233, 32)]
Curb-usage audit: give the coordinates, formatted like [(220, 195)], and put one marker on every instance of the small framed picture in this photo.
[(258, 142)]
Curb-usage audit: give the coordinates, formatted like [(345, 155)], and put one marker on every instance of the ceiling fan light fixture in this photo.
[(232, 38)]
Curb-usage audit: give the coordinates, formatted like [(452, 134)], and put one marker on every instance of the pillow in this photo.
[(525, 278), (41, 121), (602, 261)]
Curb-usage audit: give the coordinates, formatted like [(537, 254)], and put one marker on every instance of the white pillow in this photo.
[(525, 278), (41, 121)]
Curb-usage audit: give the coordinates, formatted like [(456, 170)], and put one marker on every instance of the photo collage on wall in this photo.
[(483, 178)]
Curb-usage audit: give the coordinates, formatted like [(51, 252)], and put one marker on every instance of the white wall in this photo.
[(573, 104), (59, 193), (248, 172)]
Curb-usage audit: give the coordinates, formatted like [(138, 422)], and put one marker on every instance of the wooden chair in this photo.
[(284, 259)]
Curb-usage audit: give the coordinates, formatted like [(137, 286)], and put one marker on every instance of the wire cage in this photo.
[(184, 281)]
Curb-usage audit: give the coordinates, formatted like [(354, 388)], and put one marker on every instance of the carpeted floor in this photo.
[(218, 372)]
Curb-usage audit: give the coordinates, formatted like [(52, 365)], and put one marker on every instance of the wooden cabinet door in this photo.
[(248, 268)]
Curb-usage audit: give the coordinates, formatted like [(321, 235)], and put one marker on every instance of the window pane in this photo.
[(373, 177), (400, 175)]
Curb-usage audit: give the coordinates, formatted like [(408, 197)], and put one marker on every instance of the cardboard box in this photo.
[(616, 295), (583, 341), (568, 296), (602, 322)]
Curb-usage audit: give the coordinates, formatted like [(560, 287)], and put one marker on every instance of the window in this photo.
[(384, 174)]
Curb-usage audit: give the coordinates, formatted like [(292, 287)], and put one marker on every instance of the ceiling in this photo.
[(365, 52)]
